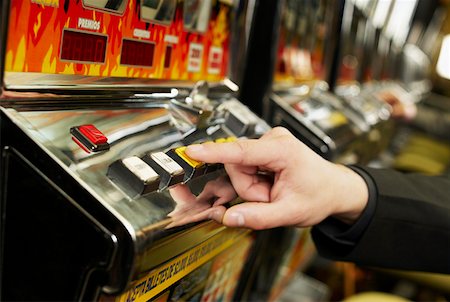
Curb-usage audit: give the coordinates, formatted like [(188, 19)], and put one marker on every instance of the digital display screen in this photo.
[(137, 53), (83, 47)]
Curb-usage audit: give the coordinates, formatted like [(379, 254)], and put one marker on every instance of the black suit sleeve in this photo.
[(406, 224)]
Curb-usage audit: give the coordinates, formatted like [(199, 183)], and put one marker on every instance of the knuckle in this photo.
[(242, 147), (280, 131)]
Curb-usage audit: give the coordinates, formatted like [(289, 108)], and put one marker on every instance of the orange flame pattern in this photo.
[(35, 31)]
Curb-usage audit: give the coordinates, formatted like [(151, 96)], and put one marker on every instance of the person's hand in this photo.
[(401, 107), (305, 188)]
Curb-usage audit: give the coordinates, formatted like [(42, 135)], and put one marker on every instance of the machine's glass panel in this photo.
[(160, 11), (111, 5), (196, 15), (83, 47), (137, 53)]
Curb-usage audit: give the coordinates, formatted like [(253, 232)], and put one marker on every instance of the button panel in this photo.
[(159, 171)]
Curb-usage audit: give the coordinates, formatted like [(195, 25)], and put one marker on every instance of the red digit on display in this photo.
[(89, 49), (100, 51), (77, 48)]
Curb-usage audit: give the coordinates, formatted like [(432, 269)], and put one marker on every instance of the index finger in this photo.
[(248, 152)]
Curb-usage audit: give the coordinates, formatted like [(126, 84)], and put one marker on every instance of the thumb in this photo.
[(257, 215)]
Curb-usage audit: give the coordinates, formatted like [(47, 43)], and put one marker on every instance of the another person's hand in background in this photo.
[(305, 188), (434, 120), (402, 107)]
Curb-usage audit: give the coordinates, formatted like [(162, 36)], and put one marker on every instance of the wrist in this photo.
[(351, 195)]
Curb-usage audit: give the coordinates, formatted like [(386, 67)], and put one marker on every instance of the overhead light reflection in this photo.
[(443, 63)]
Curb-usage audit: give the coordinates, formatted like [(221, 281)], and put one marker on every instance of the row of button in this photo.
[(159, 171)]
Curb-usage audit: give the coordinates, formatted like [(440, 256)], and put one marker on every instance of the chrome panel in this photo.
[(159, 126)]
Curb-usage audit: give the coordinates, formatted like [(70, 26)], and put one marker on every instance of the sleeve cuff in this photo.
[(348, 235)]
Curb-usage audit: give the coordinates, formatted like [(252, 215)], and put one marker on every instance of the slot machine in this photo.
[(301, 99), (99, 100), (364, 57)]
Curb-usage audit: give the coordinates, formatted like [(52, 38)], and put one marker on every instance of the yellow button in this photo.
[(221, 140), (181, 152), (226, 140)]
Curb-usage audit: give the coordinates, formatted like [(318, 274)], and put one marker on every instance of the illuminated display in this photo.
[(83, 47), (85, 37), (137, 53)]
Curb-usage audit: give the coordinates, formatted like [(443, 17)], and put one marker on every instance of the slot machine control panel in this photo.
[(126, 161)]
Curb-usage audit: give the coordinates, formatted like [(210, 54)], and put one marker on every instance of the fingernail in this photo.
[(194, 148), (236, 219)]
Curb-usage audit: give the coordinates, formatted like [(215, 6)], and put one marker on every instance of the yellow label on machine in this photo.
[(167, 274)]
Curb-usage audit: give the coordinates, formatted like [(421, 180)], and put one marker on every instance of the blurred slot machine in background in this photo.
[(301, 99), (364, 54), (386, 58), (334, 63), (99, 100)]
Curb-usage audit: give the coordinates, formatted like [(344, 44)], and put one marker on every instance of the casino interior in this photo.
[(100, 98)]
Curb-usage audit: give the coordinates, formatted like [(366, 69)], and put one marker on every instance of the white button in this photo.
[(143, 171), (167, 163)]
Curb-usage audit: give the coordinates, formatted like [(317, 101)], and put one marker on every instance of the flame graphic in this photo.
[(35, 32)]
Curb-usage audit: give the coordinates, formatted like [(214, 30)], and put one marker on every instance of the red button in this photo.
[(299, 108), (94, 135)]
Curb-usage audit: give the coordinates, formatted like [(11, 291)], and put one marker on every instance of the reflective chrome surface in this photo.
[(160, 126)]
